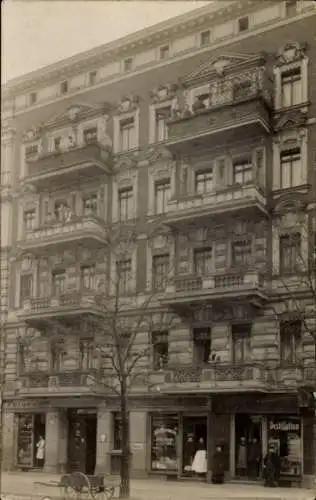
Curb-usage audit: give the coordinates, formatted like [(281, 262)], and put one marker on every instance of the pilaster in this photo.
[(52, 441), (138, 440), (104, 441)]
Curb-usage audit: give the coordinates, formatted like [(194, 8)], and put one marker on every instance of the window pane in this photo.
[(165, 450), (160, 270), (162, 196)]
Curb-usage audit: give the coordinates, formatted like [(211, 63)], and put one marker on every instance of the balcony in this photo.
[(291, 376), (74, 383), (230, 286), (226, 201), (221, 377), (68, 166), (237, 107), (68, 309), (87, 230)]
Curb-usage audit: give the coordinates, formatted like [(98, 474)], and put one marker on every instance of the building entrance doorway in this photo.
[(82, 441), (248, 446), (194, 446)]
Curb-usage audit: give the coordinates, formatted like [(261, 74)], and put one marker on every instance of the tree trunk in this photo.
[(125, 457)]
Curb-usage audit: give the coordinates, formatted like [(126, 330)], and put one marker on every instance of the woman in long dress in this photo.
[(199, 464)]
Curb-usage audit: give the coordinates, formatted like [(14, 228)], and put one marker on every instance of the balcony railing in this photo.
[(77, 228), (43, 382), (229, 198)]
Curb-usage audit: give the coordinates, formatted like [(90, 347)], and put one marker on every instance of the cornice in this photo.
[(85, 61)]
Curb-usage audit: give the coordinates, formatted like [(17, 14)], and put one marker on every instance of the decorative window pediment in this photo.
[(128, 104), (163, 93), (291, 52), (218, 66)]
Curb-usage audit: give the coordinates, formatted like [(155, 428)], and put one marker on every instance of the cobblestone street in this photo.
[(16, 486)]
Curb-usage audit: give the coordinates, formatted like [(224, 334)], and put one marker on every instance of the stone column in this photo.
[(52, 441), (63, 439), (104, 441), (8, 440), (138, 440)]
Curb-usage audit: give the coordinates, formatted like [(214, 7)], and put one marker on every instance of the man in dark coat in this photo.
[(254, 458), (272, 467), (218, 466)]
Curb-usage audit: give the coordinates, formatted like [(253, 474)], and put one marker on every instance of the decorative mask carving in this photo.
[(32, 134), (291, 52), (128, 104), (163, 93)]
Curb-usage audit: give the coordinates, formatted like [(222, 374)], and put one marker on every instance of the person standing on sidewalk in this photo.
[(218, 466), (272, 467), (40, 454)]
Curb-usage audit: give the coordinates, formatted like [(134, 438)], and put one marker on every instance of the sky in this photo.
[(40, 32)]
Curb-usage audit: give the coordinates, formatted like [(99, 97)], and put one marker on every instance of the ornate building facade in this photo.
[(206, 124)]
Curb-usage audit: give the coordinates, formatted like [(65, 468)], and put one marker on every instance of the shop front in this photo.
[(285, 432), (30, 442), (181, 442)]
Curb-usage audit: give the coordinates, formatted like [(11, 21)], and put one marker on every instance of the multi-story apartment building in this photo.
[(207, 122)]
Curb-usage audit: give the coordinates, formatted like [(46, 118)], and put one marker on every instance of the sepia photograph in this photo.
[(158, 250)]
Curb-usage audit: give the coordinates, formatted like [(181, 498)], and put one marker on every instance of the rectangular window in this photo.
[(162, 196), (61, 211), (205, 38), (85, 354), (128, 64), (243, 24), (90, 135), (124, 275), (64, 87), (201, 345), (162, 116), (92, 77), (160, 350), (290, 252), (88, 277), (290, 340), (21, 357), (204, 181), (165, 450), (56, 356), (26, 287), (127, 134), (290, 168), (241, 252), (31, 151), (90, 205), (241, 336), (33, 98), (242, 171), (164, 52), (29, 220), (291, 85), (160, 270), (203, 261), (126, 206), (59, 283), (57, 143)]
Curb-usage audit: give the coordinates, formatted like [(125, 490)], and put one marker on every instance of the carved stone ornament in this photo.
[(32, 134), (163, 93), (294, 119), (128, 104), (126, 161), (73, 113), (291, 52)]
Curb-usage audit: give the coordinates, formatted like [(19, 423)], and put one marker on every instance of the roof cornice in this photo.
[(122, 47)]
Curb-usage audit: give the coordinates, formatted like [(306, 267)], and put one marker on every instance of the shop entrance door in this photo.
[(248, 446), (194, 446), (82, 442)]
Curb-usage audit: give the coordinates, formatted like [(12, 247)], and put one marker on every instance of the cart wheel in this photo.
[(79, 487), (103, 495)]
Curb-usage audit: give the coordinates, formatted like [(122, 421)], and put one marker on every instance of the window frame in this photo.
[(164, 52), (26, 219), (204, 43), (288, 340), (289, 77), (242, 167), (160, 359), (30, 288), (59, 273), (162, 187), (125, 195), (240, 21), (241, 332), (203, 255), (294, 157), (128, 64), (126, 288), (159, 281), (204, 174), (202, 344), (241, 258), (129, 125), (64, 87), (88, 278), (294, 250)]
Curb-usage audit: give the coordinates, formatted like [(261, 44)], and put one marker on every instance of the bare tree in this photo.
[(127, 317)]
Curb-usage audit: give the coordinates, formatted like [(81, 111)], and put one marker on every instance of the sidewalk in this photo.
[(19, 486)]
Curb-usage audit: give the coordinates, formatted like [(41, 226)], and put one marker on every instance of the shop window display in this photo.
[(285, 434), (164, 442), (30, 431)]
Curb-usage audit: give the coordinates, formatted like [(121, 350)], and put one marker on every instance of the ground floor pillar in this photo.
[(53, 441), (104, 435), (8, 440), (138, 440)]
